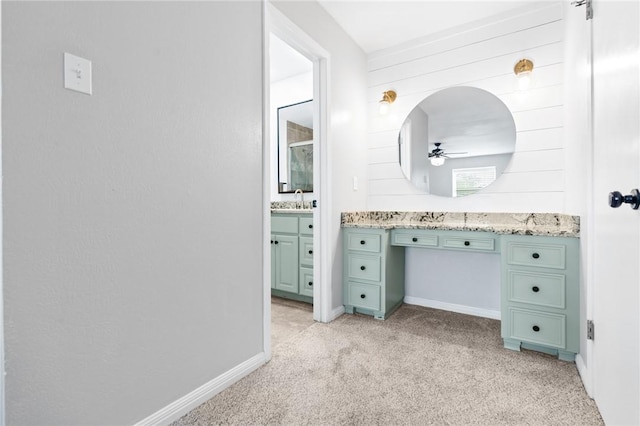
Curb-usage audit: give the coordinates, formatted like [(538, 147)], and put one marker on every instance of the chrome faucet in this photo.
[(299, 191)]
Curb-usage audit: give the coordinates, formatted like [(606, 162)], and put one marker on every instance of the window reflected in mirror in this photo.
[(456, 141)]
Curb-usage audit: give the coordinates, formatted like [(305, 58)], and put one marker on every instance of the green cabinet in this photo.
[(292, 256), (373, 281), (285, 262), (540, 280), (540, 294)]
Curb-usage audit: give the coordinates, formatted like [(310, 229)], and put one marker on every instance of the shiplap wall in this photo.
[(481, 57)]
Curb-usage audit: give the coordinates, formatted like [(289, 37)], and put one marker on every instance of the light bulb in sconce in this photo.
[(388, 98), (437, 161), (523, 69)]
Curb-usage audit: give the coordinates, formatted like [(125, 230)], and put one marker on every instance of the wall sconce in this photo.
[(523, 69), (388, 98), (437, 161)]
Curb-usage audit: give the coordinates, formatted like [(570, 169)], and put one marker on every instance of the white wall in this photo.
[(289, 91), (482, 57), (132, 217), (347, 102)]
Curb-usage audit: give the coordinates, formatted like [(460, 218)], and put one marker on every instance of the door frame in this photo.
[(2, 362), (277, 23)]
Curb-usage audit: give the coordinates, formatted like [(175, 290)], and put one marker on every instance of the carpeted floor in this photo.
[(288, 318), (420, 367)]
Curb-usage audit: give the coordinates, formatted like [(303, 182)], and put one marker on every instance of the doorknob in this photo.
[(616, 199)]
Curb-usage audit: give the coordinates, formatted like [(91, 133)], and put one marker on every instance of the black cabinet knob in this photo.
[(310, 251), (466, 243), (362, 296), (271, 241), (310, 226), (535, 255), (275, 242), (362, 268), (310, 283), (616, 199), (414, 239), (536, 328), (535, 289), (362, 242)]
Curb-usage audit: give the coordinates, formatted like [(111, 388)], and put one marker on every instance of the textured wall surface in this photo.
[(127, 283)]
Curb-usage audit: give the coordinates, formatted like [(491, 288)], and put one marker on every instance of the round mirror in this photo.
[(456, 141)]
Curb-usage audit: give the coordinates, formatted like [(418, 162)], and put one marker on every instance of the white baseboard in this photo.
[(584, 374), (336, 313), (182, 406), (461, 309)]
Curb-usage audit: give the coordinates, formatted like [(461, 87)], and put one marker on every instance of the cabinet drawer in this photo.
[(485, 244), (364, 242), (540, 255), (363, 267), (363, 296), (538, 327), (306, 281), (536, 288), (306, 225), (284, 224), (414, 239), (306, 251)]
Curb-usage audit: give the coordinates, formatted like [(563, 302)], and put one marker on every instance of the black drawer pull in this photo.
[(536, 328), (535, 255), (310, 226), (310, 251), (414, 239), (466, 243), (310, 283), (535, 289), (362, 242), (362, 268), (275, 242), (362, 296), (271, 241)]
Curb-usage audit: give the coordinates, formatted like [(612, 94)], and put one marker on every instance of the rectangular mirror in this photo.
[(295, 147)]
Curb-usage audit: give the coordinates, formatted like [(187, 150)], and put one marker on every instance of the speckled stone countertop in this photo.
[(550, 224), (291, 207)]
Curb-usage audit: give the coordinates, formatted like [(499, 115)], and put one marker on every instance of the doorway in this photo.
[(298, 74)]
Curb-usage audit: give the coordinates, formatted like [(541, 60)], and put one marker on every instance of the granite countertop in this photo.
[(550, 224), (291, 207)]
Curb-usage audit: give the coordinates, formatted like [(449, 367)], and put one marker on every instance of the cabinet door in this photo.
[(286, 262)]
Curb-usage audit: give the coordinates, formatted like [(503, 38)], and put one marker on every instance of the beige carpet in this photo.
[(419, 367), (288, 318)]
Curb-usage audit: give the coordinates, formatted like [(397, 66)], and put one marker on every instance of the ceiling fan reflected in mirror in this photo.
[(437, 155)]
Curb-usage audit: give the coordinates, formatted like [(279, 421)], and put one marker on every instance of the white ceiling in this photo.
[(380, 24), (376, 25)]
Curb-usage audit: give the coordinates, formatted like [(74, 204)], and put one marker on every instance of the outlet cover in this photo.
[(77, 73)]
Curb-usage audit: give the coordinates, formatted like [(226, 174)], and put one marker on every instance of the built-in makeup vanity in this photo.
[(539, 261)]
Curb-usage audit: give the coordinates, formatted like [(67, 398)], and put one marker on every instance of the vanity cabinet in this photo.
[(373, 272), (540, 281), (292, 256), (540, 294)]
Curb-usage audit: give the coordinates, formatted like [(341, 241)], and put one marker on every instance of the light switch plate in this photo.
[(77, 73)]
